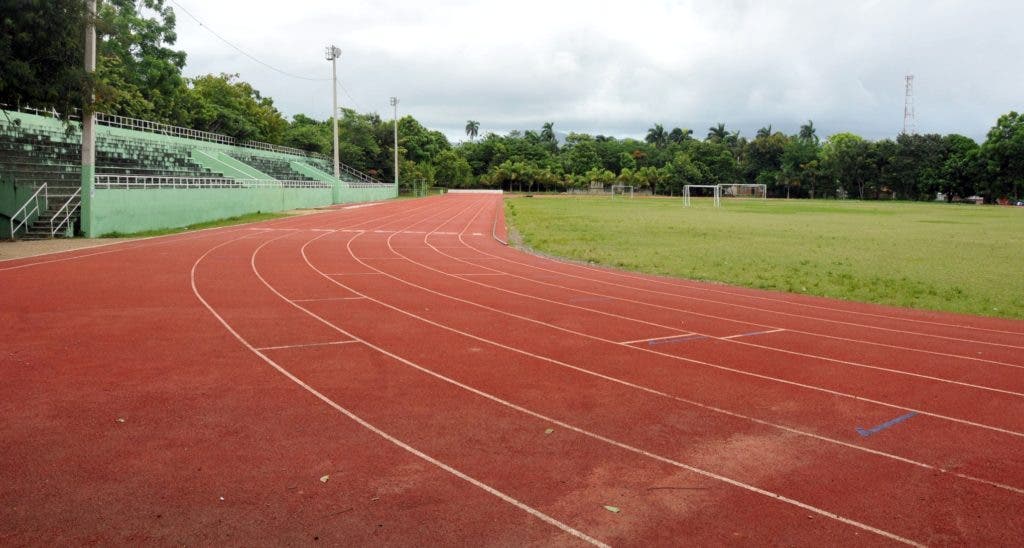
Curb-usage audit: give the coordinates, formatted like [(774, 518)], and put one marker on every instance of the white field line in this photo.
[(604, 439), (705, 315), (360, 421)]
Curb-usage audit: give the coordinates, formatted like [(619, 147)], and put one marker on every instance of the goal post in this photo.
[(625, 190), (744, 190), (715, 189)]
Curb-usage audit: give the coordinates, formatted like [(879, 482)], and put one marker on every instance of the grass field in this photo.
[(959, 258)]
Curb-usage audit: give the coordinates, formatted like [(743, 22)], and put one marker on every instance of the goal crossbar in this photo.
[(716, 188), (623, 189)]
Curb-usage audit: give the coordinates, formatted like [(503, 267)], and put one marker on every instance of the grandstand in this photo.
[(152, 176)]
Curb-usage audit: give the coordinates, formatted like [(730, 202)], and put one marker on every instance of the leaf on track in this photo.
[(325, 478), (612, 509)]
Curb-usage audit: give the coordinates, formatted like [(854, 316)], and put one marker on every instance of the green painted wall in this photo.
[(352, 195), (12, 197), (135, 210)]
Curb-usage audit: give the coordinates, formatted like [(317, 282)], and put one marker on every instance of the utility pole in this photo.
[(88, 185), (394, 103), (332, 53), (909, 121)]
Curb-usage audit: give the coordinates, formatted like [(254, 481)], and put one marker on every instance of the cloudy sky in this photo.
[(619, 67)]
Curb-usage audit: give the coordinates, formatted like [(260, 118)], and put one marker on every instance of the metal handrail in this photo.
[(34, 199), (155, 181), (67, 212)]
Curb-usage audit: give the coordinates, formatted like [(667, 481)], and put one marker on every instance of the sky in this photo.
[(618, 68)]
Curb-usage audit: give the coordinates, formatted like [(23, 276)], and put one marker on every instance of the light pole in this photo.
[(394, 103), (88, 184), (332, 53)]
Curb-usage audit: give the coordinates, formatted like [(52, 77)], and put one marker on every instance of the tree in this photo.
[(453, 170), (847, 158), (138, 75), (808, 132), (765, 131), (223, 104), (657, 136), (1003, 157), (547, 131), (678, 135), (472, 129), (41, 54), (717, 133)]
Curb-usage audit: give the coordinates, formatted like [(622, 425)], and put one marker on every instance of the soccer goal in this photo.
[(624, 190), (702, 191), (744, 190)]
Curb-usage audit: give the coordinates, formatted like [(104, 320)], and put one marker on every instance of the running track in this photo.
[(195, 389)]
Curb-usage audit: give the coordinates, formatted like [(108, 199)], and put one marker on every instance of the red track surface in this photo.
[(194, 389)]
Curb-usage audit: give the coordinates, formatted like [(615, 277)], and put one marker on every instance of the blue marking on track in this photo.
[(684, 338), (869, 431)]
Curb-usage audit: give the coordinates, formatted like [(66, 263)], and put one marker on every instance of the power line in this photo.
[(243, 52), (268, 65)]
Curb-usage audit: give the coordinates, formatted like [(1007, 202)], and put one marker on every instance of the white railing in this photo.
[(66, 210), (363, 184), (30, 207), (155, 181)]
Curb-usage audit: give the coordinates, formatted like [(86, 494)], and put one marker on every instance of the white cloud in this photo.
[(619, 67)]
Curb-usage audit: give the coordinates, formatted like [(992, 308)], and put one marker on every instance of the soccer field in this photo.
[(959, 258)]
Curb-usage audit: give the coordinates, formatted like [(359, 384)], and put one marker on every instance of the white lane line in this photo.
[(590, 434), (680, 334), (327, 298), (757, 309), (359, 420), (738, 335), (697, 287), (307, 345), (538, 281), (678, 398)]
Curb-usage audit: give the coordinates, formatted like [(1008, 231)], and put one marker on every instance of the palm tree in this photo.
[(656, 135), (678, 135), (766, 131), (717, 133), (472, 129), (808, 132), (547, 131)]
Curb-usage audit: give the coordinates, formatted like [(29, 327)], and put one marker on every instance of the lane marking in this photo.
[(359, 420), (673, 340), (582, 431), (752, 333), (306, 345), (328, 298), (679, 398), (867, 432), (684, 334)]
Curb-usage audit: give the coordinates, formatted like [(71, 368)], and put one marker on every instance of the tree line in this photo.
[(139, 74)]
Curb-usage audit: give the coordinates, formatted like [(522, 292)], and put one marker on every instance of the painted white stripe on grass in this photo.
[(359, 420)]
